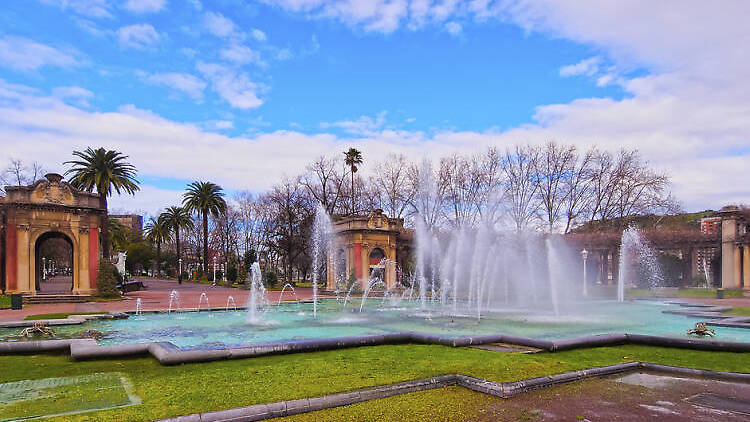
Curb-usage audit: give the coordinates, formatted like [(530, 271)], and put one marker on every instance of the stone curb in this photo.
[(169, 354), (498, 389)]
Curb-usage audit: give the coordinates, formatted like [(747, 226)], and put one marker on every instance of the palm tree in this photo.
[(102, 171), (177, 218), (205, 198), (353, 159), (157, 232), (118, 234)]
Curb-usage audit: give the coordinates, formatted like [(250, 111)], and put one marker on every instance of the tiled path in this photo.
[(155, 297)]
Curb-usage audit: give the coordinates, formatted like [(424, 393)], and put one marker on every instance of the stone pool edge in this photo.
[(498, 389), (169, 354)]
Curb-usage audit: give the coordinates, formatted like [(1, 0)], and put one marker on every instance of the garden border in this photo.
[(169, 354), (498, 389)]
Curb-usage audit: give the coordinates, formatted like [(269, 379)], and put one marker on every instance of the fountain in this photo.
[(257, 294), (200, 300), (174, 298), (138, 309), (284, 289), (638, 260), (320, 234), (230, 299)]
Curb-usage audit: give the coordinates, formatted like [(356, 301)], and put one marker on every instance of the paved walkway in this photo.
[(156, 296)]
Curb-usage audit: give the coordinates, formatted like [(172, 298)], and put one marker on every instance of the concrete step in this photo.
[(62, 298)]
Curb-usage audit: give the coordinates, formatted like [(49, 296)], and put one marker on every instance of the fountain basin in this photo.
[(209, 330)]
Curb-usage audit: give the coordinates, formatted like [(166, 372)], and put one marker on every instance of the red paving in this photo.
[(156, 296)]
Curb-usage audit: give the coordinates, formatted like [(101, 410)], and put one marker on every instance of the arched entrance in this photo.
[(50, 220), (53, 258), (376, 261)]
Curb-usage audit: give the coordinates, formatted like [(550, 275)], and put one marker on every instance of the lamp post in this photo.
[(224, 273), (214, 279), (584, 255), (44, 268), (179, 271)]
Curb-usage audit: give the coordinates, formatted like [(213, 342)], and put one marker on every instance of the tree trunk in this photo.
[(104, 227), (205, 240), (158, 258), (352, 191), (177, 240)]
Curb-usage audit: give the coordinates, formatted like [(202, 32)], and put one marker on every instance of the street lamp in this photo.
[(179, 271), (214, 279), (584, 255)]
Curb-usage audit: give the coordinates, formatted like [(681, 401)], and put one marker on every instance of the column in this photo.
[(24, 284), (728, 266), (11, 258)]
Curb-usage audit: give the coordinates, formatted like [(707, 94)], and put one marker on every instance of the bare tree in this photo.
[(390, 187), (521, 184), (554, 166), (18, 174), (324, 180)]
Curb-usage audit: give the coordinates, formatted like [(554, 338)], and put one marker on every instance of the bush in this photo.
[(232, 273), (107, 279), (270, 279)]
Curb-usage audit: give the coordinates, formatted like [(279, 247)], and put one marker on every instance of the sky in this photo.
[(245, 93)]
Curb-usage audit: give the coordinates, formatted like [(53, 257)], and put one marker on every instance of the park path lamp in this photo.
[(214, 279), (584, 255), (179, 271)]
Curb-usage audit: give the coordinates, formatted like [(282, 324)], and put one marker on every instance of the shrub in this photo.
[(107, 279), (232, 273), (270, 278)]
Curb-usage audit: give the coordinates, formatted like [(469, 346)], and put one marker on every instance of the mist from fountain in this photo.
[(257, 294), (138, 308), (230, 299), (322, 229), (638, 261)]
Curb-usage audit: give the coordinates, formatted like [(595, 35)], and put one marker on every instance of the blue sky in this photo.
[(245, 92)]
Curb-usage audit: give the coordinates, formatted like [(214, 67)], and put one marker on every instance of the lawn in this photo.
[(4, 302), (682, 292), (36, 317), (740, 311), (177, 390)]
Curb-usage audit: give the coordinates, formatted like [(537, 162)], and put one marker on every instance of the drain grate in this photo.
[(729, 404), (66, 395)]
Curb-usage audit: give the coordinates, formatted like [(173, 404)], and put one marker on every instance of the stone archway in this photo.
[(47, 209), (54, 263)]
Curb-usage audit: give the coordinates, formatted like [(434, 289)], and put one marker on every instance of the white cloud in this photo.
[(145, 6), (363, 126), (149, 200), (20, 53), (587, 67), (258, 35), (137, 36), (184, 82), (240, 54), (453, 28), (91, 8), (219, 25), (234, 86), (76, 94)]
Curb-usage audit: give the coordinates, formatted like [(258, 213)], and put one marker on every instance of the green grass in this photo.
[(4, 302), (177, 390), (740, 311), (59, 315), (682, 292)]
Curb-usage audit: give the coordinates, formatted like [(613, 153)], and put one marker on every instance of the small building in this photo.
[(735, 247), (362, 245), (132, 221), (49, 209)]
